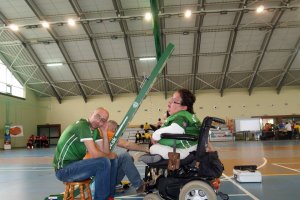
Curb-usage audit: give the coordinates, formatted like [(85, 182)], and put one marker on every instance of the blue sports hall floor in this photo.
[(27, 174)]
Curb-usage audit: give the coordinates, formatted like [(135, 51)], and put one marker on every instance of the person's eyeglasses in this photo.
[(99, 118), (173, 101)]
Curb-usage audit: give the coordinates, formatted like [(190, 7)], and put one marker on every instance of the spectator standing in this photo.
[(288, 128)]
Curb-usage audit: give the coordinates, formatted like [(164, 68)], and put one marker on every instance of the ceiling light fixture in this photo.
[(148, 16), (71, 22), (260, 9), (133, 18), (114, 37), (188, 13), (149, 58), (31, 26), (185, 32), (54, 64), (46, 42), (13, 27), (45, 24)]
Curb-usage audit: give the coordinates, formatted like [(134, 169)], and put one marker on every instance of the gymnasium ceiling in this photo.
[(224, 44)]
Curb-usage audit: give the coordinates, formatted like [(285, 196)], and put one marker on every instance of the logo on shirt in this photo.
[(184, 124), (135, 104), (194, 118)]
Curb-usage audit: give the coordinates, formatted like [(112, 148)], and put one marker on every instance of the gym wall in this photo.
[(235, 103)]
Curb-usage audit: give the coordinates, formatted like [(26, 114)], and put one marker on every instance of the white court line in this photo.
[(25, 169), (288, 163), (132, 196), (264, 163), (240, 187), (286, 167), (237, 195)]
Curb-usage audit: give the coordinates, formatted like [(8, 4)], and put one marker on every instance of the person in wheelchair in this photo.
[(182, 163), (182, 120)]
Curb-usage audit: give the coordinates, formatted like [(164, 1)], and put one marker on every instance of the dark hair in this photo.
[(168, 114), (188, 99)]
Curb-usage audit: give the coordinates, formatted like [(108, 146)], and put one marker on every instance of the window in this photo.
[(9, 84)]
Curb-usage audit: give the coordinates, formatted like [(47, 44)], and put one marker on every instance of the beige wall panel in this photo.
[(19, 112), (234, 104)]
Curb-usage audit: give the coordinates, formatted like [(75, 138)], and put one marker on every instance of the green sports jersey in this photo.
[(70, 146), (189, 122)]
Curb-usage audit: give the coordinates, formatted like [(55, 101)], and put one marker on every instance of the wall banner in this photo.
[(16, 131), (7, 138)]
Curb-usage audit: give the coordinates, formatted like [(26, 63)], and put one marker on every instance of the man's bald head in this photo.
[(98, 118)]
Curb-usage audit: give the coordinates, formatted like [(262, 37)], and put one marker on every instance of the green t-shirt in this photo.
[(189, 122), (70, 146)]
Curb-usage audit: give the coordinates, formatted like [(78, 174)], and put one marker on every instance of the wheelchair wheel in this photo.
[(152, 196), (197, 190)]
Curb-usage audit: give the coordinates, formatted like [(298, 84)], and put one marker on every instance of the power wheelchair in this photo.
[(195, 177)]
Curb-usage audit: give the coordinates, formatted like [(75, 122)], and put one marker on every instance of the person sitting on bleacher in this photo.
[(138, 137), (267, 127), (143, 137), (147, 127)]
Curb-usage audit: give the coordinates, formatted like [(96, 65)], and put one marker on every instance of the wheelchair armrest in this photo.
[(179, 136)]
